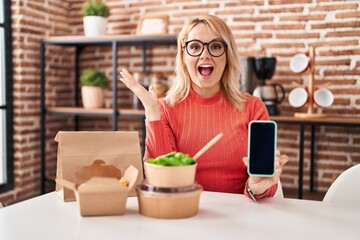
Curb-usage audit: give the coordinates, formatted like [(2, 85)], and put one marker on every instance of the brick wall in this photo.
[(277, 28)]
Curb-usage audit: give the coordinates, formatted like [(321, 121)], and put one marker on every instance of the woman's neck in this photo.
[(205, 92)]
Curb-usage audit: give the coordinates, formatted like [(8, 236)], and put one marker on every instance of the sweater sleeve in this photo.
[(160, 138), (268, 193)]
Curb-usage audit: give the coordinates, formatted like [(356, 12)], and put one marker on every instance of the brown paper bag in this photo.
[(79, 149)]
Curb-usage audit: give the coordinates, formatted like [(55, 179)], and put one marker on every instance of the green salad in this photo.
[(173, 159)]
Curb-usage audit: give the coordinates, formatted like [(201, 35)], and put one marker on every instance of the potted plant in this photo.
[(95, 14), (93, 82)]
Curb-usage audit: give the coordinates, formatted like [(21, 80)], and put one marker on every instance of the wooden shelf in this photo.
[(79, 110), (132, 112), (108, 40), (95, 111)]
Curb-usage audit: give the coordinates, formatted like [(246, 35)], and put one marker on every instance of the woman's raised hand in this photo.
[(148, 98), (260, 184)]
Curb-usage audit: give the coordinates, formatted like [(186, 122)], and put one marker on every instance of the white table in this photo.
[(221, 217)]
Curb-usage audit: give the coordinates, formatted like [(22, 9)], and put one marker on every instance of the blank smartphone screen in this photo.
[(262, 147)]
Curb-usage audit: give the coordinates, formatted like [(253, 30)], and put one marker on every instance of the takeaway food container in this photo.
[(168, 203)]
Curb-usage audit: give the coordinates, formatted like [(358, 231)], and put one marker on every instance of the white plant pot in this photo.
[(94, 26), (92, 97)]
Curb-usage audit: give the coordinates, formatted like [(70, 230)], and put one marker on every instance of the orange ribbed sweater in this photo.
[(190, 124)]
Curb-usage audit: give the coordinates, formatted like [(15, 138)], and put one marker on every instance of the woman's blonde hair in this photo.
[(230, 80)]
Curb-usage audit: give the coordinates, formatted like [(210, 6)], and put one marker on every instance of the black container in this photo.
[(249, 80), (264, 67)]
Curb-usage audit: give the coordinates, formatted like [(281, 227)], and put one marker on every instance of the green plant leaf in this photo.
[(94, 77), (95, 8)]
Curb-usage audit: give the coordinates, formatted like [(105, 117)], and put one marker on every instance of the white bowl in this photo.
[(323, 97), (298, 97), (299, 63)]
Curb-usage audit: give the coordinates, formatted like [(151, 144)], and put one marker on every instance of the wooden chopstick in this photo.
[(207, 146)]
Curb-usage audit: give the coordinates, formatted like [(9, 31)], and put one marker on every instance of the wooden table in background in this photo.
[(312, 122)]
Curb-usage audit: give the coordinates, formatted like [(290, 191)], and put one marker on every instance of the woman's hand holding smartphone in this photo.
[(262, 148), (264, 163)]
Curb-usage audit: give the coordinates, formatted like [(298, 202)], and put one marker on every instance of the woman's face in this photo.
[(205, 70)]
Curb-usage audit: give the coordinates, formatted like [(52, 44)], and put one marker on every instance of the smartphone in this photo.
[(262, 148)]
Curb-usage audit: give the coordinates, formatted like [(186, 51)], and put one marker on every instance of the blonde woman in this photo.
[(204, 100)]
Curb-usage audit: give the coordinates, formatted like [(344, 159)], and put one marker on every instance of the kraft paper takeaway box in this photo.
[(98, 190), (78, 149)]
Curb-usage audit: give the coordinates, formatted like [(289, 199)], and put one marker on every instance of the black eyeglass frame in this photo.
[(207, 46)]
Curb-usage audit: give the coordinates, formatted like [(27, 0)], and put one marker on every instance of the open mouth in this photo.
[(205, 70)]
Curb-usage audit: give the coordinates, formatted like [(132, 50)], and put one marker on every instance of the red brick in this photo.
[(354, 14), (334, 7), (343, 34), (282, 10), (281, 2), (297, 35), (251, 3), (330, 25), (283, 26), (303, 17)]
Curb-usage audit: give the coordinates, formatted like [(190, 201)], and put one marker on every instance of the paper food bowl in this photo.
[(98, 190), (170, 176), (168, 203)]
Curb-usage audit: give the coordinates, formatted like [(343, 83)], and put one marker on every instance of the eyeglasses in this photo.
[(195, 48)]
